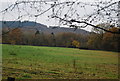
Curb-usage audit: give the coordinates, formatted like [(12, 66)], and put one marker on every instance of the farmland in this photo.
[(39, 62)]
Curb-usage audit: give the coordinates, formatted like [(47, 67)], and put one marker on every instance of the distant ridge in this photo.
[(15, 24), (33, 26)]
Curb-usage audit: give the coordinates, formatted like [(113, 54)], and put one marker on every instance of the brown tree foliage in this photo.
[(111, 41), (105, 41), (15, 36)]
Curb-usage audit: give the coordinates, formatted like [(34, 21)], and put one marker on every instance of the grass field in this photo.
[(37, 62)]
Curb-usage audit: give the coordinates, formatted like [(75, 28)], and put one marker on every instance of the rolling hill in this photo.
[(28, 26)]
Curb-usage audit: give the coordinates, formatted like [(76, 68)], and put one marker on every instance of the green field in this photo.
[(39, 62)]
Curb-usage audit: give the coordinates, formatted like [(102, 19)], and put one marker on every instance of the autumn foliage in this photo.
[(76, 43), (13, 37), (98, 41), (105, 41)]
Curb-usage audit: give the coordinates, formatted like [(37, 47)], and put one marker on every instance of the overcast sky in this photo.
[(43, 18)]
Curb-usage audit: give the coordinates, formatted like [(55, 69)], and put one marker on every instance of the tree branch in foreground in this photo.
[(71, 21)]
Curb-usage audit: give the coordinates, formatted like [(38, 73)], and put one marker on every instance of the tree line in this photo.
[(100, 41)]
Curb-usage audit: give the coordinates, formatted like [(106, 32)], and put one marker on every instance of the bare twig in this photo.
[(71, 21)]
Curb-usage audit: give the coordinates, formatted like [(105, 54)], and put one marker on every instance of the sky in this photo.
[(43, 18)]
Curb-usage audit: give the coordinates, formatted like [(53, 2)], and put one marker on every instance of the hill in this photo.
[(28, 26), (37, 62)]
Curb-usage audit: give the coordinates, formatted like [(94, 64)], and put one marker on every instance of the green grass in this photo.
[(38, 62)]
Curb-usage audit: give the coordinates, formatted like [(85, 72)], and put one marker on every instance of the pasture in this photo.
[(39, 62)]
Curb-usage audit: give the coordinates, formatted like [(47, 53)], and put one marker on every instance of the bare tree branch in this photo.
[(71, 15), (71, 21)]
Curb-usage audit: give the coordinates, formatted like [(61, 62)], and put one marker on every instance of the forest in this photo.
[(98, 41)]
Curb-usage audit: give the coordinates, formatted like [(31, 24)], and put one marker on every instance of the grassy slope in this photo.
[(55, 62)]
